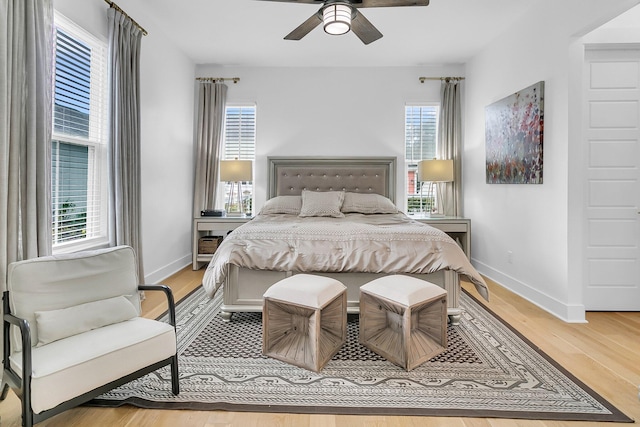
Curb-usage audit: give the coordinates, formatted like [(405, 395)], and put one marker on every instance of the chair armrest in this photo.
[(25, 334), (170, 301)]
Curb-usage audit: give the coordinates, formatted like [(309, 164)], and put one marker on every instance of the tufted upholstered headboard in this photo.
[(291, 175)]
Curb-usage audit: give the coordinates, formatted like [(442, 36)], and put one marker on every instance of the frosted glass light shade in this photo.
[(337, 19)]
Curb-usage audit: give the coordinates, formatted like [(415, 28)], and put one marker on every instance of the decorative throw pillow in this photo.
[(55, 325), (282, 205), (322, 203), (367, 203)]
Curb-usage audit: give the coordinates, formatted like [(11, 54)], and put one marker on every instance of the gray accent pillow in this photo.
[(367, 203), (282, 205), (322, 203)]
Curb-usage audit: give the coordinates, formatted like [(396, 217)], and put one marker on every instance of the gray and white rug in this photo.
[(488, 370)]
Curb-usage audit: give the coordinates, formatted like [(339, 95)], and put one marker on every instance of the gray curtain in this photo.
[(26, 54), (124, 134), (212, 98), (450, 143)]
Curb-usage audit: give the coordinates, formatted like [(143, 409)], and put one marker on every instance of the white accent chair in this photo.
[(72, 330)]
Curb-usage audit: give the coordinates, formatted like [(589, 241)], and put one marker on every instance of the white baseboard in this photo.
[(571, 313), (161, 274)]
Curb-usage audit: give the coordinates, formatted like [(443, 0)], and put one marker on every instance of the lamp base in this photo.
[(236, 214), (434, 215)]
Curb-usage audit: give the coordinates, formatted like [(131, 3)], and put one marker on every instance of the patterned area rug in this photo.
[(488, 370)]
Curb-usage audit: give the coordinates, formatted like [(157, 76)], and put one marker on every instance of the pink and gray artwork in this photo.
[(513, 133)]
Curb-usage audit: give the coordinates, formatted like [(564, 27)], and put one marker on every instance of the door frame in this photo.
[(580, 184)]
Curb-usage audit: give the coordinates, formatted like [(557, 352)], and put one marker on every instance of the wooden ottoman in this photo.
[(304, 320), (403, 319)]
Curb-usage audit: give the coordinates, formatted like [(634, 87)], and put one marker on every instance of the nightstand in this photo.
[(457, 227), (212, 226)]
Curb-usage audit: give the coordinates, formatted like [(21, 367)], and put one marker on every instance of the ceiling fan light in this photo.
[(337, 19)]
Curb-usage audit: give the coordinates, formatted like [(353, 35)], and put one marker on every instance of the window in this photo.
[(240, 144), (78, 151), (420, 136)]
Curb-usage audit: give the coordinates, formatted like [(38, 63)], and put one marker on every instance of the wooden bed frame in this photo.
[(243, 288)]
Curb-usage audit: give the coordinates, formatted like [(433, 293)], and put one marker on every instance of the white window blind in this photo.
[(421, 136), (240, 133), (78, 181), (421, 127)]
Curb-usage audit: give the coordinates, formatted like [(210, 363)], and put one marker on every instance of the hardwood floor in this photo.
[(603, 353)]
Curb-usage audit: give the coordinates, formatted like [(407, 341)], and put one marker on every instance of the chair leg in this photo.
[(4, 392), (27, 413), (175, 383)]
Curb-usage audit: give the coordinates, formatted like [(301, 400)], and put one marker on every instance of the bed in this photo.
[(334, 217)]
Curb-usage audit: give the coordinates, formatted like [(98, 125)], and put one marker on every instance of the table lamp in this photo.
[(434, 171), (235, 172)]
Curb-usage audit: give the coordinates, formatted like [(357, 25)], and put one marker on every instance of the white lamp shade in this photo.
[(435, 170), (337, 19), (236, 170)]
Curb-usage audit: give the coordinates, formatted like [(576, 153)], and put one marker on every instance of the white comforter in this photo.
[(381, 243)]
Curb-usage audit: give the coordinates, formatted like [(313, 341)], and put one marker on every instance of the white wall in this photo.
[(622, 29), (329, 111), (167, 138), (531, 221)]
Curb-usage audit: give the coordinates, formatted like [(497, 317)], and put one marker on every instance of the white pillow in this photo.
[(322, 203), (367, 203), (282, 205), (55, 325)]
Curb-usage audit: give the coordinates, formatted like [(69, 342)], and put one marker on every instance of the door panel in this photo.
[(612, 139)]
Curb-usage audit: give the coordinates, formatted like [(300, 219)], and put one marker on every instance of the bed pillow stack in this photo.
[(329, 204)]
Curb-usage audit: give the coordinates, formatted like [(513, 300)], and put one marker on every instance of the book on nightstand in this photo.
[(213, 212)]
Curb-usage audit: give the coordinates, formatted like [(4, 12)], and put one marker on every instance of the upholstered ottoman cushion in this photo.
[(403, 319), (304, 320)]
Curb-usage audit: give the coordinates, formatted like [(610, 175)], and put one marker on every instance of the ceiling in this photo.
[(250, 32)]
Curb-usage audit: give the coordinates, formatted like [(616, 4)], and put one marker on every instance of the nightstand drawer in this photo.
[(216, 226), (450, 228)]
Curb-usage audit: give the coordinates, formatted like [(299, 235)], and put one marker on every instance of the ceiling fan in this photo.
[(340, 16)]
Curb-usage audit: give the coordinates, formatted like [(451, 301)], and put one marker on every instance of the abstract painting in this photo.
[(513, 133)]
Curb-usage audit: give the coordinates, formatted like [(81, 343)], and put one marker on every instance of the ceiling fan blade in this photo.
[(389, 3), (364, 29), (305, 28), (299, 1)]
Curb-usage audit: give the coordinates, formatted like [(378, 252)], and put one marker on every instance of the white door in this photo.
[(612, 135)]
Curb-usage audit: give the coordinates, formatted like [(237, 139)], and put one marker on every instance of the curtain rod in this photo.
[(217, 79), (422, 79), (116, 7)]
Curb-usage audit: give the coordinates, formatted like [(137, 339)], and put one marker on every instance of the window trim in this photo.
[(224, 187), (408, 168), (97, 180)]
